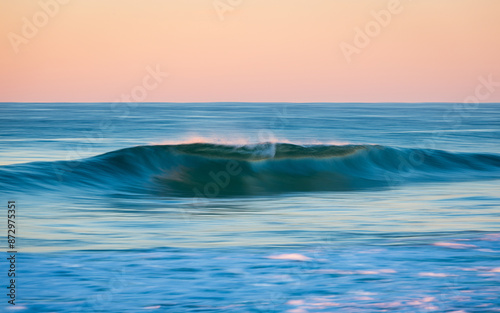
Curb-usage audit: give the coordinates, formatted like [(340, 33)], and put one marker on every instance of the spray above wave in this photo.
[(211, 170)]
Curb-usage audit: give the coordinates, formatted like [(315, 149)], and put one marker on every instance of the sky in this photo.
[(250, 50)]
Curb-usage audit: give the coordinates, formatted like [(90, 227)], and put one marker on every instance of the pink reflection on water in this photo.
[(291, 256), (430, 274), (454, 245)]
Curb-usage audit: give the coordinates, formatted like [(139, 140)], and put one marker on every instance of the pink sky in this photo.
[(256, 50)]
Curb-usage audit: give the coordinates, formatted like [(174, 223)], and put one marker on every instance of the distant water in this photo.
[(234, 207)]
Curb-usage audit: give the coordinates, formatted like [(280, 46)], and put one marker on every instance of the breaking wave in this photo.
[(213, 170)]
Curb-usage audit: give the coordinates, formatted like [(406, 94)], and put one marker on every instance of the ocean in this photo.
[(250, 207)]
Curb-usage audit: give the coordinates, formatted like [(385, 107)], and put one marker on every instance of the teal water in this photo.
[(234, 207)]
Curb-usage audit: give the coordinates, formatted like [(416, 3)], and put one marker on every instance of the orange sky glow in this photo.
[(249, 50)]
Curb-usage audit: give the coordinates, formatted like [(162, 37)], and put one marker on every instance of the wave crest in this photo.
[(213, 170)]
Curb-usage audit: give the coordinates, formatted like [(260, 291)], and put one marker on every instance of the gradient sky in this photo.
[(263, 50)]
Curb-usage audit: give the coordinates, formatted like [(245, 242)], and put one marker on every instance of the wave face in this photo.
[(211, 170)]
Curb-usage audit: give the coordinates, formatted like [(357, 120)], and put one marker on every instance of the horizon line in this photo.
[(228, 102)]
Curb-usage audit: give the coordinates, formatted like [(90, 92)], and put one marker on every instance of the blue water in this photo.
[(235, 207)]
